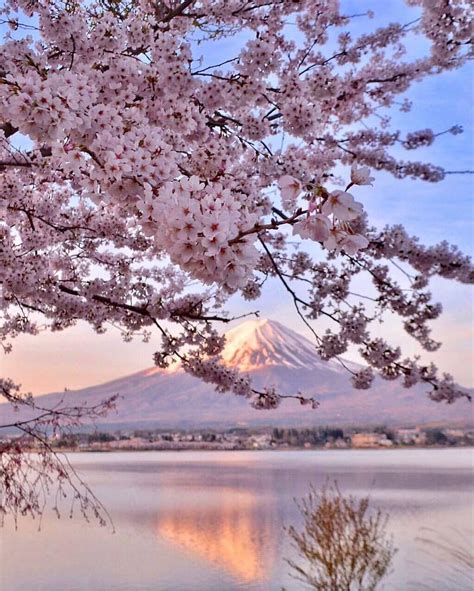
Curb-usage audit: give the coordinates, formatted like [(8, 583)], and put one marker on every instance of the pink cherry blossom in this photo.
[(360, 175), (315, 227), (342, 205), (290, 188), (335, 239), (352, 243)]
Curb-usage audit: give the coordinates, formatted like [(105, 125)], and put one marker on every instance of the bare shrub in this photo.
[(344, 545)]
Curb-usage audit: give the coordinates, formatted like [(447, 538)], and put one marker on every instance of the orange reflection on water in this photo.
[(227, 534)]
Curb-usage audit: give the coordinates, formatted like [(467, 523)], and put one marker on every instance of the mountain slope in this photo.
[(273, 355)]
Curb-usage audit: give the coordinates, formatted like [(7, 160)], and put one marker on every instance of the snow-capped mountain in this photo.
[(273, 355), (256, 344)]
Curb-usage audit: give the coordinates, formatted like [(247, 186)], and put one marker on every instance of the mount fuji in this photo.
[(273, 355)]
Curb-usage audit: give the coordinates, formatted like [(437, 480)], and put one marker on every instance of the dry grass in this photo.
[(449, 560)]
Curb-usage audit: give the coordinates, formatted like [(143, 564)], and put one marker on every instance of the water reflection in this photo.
[(230, 534), (214, 522)]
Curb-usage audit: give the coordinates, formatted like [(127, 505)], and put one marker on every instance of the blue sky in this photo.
[(78, 357)]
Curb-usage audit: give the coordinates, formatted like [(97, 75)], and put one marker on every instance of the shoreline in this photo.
[(269, 449)]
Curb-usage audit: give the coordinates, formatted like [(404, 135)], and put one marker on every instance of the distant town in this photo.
[(265, 438)]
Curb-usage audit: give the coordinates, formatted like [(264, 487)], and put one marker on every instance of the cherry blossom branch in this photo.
[(178, 11), (273, 225), (27, 481)]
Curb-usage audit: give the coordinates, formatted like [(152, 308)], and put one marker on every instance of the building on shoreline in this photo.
[(362, 440), (415, 436)]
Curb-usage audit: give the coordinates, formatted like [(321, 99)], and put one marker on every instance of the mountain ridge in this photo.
[(273, 355)]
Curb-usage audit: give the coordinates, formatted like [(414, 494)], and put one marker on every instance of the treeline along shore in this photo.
[(240, 438)]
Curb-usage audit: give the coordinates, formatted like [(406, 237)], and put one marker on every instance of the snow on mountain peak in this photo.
[(262, 343)]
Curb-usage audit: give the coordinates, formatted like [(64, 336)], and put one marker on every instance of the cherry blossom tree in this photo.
[(142, 187)]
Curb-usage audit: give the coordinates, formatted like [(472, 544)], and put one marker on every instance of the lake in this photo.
[(214, 521)]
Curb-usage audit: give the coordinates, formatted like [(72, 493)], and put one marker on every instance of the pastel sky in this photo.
[(78, 357)]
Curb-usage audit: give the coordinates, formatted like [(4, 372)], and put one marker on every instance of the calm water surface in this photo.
[(213, 521)]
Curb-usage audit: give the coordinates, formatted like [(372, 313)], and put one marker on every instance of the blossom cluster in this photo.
[(199, 226), (222, 377), (329, 214)]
